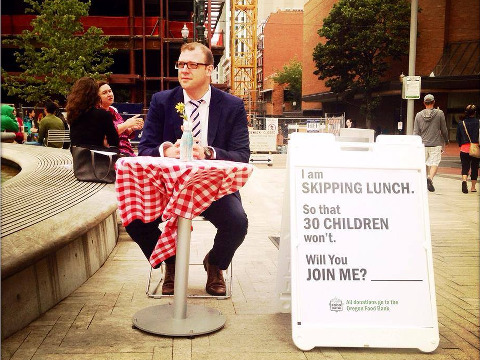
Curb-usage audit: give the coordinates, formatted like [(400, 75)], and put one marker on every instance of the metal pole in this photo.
[(162, 44), (250, 105), (144, 56), (200, 21), (181, 268), (411, 62), (131, 47)]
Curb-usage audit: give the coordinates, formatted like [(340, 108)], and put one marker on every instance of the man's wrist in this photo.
[(209, 152), (163, 148)]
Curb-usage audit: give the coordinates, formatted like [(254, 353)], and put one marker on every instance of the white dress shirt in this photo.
[(203, 111)]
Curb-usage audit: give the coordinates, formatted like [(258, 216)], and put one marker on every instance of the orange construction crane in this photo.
[(244, 50)]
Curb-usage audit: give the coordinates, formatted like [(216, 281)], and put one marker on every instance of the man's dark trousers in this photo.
[(226, 214)]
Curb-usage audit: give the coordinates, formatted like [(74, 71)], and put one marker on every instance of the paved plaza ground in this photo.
[(95, 321)]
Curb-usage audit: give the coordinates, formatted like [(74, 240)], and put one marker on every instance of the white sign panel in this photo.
[(263, 140), (271, 124), (411, 87), (313, 126), (361, 263), (358, 261)]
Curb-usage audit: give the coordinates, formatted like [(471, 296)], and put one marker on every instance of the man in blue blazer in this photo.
[(223, 135)]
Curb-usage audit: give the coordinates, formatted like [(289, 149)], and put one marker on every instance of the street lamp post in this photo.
[(205, 34), (412, 54), (200, 20), (185, 33), (400, 125)]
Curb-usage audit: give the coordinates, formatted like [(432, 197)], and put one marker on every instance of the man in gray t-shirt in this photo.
[(431, 126)]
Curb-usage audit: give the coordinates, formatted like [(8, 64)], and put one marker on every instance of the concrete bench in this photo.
[(56, 232), (8, 136)]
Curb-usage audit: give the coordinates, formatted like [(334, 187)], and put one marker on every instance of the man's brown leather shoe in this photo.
[(169, 281), (215, 282)]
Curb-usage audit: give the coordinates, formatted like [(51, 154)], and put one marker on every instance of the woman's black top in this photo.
[(92, 127), (472, 125)]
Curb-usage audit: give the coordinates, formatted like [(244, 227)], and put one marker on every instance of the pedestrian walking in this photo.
[(430, 125), (467, 136)]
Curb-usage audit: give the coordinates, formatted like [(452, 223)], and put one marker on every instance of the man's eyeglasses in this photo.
[(190, 65)]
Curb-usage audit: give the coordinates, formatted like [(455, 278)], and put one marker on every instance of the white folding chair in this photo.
[(57, 136)]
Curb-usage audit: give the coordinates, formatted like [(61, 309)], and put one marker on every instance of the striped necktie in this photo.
[(195, 117)]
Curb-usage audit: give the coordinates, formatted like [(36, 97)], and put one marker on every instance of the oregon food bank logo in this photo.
[(336, 305)]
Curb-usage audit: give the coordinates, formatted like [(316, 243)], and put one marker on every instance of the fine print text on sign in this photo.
[(411, 87), (263, 140), (361, 255)]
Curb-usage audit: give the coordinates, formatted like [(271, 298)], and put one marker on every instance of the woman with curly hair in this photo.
[(89, 125)]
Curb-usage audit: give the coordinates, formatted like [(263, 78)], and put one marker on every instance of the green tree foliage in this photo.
[(292, 76), (362, 36), (56, 52)]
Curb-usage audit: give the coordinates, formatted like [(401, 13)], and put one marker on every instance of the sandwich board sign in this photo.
[(262, 140), (357, 244)]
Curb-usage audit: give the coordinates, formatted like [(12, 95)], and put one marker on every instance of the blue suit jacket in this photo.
[(227, 125)]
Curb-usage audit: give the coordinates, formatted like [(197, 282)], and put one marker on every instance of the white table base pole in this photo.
[(180, 319), (184, 234)]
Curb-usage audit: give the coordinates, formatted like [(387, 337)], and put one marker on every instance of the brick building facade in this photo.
[(447, 58), (282, 40), (281, 43)]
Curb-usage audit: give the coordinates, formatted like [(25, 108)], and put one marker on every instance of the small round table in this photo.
[(149, 187)]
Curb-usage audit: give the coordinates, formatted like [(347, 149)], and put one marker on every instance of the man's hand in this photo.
[(198, 151), (172, 151)]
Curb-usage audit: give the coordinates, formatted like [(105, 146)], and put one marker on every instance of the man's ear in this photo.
[(209, 70)]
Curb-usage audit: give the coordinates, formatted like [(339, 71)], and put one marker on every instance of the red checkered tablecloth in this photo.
[(150, 187)]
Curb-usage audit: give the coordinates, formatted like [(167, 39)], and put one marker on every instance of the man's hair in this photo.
[(470, 110), (196, 45), (51, 107)]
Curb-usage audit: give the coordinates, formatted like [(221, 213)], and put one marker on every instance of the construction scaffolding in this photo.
[(244, 50)]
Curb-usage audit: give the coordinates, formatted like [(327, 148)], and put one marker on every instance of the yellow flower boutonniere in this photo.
[(180, 107)]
